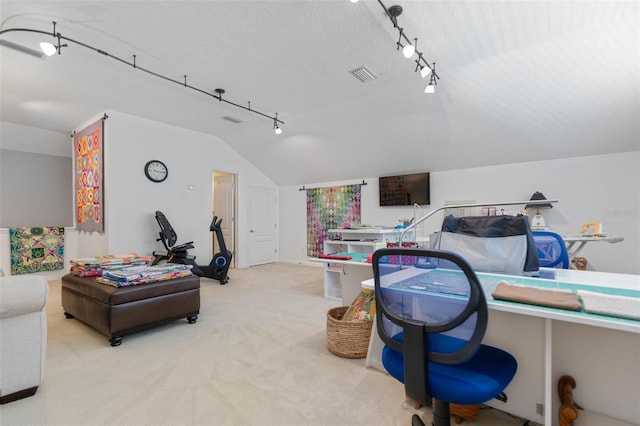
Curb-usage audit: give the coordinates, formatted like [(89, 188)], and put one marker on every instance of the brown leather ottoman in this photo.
[(117, 311)]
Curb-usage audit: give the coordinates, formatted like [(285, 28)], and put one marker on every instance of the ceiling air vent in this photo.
[(363, 74), (231, 119)]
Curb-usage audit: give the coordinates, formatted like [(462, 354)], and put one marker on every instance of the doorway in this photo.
[(224, 196), (262, 225)]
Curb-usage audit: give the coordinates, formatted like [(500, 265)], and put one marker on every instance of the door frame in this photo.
[(234, 219)]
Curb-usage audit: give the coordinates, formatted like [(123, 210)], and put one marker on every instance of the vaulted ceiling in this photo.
[(519, 80)]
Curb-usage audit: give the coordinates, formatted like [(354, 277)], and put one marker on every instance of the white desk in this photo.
[(345, 276), (582, 241), (602, 353)]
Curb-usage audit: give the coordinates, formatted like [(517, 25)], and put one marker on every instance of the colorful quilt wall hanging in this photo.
[(330, 208), (36, 249), (88, 176)]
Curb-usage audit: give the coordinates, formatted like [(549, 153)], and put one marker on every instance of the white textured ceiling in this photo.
[(520, 81)]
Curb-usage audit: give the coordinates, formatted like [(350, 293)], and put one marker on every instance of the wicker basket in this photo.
[(348, 339)]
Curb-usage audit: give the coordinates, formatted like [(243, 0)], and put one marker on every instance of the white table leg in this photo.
[(374, 353), (548, 376)]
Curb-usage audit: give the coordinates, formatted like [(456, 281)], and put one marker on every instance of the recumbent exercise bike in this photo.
[(217, 269)]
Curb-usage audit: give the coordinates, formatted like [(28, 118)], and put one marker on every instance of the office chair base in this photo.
[(441, 415), (416, 421)]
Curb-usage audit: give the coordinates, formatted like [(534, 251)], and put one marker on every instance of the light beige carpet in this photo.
[(256, 356)]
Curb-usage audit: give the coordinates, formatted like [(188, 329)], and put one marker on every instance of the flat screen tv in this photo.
[(404, 190)]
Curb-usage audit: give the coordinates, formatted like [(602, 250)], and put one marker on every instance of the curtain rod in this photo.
[(304, 188), (104, 117)]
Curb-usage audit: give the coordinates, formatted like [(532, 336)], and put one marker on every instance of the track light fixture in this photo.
[(276, 128), (425, 71), (431, 87), (410, 49), (50, 49)]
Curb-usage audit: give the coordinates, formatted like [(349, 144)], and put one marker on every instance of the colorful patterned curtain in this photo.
[(330, 208), (88, 178)]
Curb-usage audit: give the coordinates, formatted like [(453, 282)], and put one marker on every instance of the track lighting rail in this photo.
[(421, 63), (217, 95)]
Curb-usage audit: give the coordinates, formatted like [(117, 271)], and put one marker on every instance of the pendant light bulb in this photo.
[(276, 128), (425, 71), (408, 51), (48, 48), (431, 87)]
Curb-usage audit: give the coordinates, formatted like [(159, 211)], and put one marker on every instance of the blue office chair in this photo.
[(431, 313), (552, 250)]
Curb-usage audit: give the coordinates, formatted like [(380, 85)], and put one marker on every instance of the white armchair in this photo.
[(23, 335)]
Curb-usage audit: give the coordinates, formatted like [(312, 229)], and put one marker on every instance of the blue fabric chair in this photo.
[(431, 313), (552, 250)]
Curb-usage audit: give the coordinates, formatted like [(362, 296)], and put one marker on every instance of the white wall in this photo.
[(35, 177), (597, 188), (131, 199), (603, 188), (17, 137), (35, 189)]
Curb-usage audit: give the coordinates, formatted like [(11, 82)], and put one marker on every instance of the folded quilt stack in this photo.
[(95, 266), (123, 270), (591, 302), (144, 274)]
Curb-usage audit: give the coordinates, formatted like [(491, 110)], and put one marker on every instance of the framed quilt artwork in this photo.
[(88, 174), (36, 249), (330, 208)]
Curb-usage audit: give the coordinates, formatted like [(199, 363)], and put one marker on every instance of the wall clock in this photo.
[(156, 171)]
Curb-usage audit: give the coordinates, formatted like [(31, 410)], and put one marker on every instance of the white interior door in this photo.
[(224, 201), (262, 226)]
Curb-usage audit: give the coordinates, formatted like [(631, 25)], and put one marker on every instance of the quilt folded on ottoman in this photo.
[(144, 274)]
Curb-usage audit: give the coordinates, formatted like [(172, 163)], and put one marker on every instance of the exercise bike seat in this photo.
[(183, 247), (169, 237)]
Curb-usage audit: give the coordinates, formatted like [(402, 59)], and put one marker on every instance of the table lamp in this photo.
[(537, 221)]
